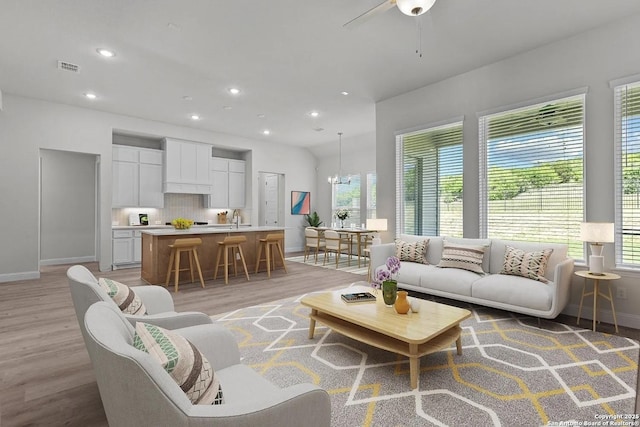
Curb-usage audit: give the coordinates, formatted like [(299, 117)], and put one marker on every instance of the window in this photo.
[(371, 195), (347, 196), (531, 173), (627, 169), (429, 181)]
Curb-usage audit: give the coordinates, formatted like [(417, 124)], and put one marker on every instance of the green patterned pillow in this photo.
[(412, 252), (526, 264), (465, 257), (182, 361), (123, 296)]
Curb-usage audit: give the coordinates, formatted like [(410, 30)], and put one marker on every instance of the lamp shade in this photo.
[(377, 224), (414, 7), (597, 232)]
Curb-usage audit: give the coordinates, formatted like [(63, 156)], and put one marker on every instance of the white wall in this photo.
[(590, 60), (28, 125)]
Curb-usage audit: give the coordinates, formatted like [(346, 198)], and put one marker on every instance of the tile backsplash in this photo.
[(176, 205)]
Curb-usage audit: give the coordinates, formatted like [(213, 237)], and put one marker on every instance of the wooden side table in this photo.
[(596, 292)]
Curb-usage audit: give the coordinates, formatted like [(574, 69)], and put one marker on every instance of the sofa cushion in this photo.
[(124, 297), (498, 249), (182, 361), (514, 290), (412, 251), (451, 280), (531, 265), (465, 257), (434, 250), (475, 242), (409, 272)]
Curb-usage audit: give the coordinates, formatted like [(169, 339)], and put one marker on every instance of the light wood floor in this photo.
[(46, 377)]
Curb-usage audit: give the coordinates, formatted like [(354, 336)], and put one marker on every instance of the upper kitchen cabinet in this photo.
[(186, 166), (228, 182), (137, 177)]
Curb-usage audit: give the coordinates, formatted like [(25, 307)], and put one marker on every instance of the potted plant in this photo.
[(313, 220), (342, 215)]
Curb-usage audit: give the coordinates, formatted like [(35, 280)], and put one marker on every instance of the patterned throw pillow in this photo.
[(123, 296), (526, 264), (465, 257), (412, 252), (182, 361)]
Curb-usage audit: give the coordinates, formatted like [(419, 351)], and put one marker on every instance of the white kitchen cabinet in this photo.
[(186, 167), (137, 177), (236, 183), (227, 184), (126, 248)]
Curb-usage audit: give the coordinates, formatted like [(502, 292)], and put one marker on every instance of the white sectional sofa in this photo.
[(491, 289)]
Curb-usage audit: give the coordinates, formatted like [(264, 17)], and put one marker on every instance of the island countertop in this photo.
[(210, 229), (156, 251)]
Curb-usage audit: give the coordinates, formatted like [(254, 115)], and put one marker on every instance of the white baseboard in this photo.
[(624, 319), (14, 277), (72, 260)]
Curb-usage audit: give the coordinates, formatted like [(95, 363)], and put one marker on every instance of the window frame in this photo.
[(484, 166), (400, 168)]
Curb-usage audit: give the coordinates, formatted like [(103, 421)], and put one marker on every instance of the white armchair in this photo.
[(85, 291), (136, 390)]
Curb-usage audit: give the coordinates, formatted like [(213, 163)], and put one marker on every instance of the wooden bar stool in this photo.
[(230, 243), (271, 245), (188, 245)]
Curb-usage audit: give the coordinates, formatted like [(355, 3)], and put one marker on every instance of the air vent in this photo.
[(68, 66)]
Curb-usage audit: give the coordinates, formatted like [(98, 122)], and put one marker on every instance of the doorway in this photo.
[(271, 199), (68, 207)]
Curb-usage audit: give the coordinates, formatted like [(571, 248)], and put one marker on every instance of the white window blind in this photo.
[(347, 196), (627, 169), (429, 181), (371, 195), (531, 173)]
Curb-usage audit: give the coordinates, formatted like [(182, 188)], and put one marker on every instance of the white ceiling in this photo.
[(288, 56)]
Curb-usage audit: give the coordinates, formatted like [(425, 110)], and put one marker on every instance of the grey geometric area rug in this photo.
[(511, 372), (343, 264)]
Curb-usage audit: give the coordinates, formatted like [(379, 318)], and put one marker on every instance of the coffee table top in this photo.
[(432, 319)]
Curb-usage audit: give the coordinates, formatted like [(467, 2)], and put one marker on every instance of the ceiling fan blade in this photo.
[(369, 14)]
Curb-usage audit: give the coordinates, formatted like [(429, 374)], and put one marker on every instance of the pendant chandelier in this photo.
[(338, 178)]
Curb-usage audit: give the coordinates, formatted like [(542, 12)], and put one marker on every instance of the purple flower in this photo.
[(393, 264), (383, 275)]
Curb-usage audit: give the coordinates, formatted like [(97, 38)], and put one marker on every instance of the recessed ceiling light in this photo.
[(195, 117), (234, 91), (106, 52), (187, 98), (227, 107), (344, 92), (173, 26), (314, 114), (266, 132), (318, 129), (90, 95), (261, 116)]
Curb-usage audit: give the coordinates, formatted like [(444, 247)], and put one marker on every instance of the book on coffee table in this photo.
[(358, 297)]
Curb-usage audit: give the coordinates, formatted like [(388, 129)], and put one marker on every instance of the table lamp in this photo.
[(596, 233), (377, 224)]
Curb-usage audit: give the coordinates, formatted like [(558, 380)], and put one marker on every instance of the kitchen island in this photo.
[(156, 251)]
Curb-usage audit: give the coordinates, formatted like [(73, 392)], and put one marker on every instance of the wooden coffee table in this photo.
[(414, 335)]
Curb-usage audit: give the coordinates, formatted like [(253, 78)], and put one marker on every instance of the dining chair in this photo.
[(314, 241), (336, 244)]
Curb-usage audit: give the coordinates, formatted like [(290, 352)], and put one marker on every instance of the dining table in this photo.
[(350, 233)]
